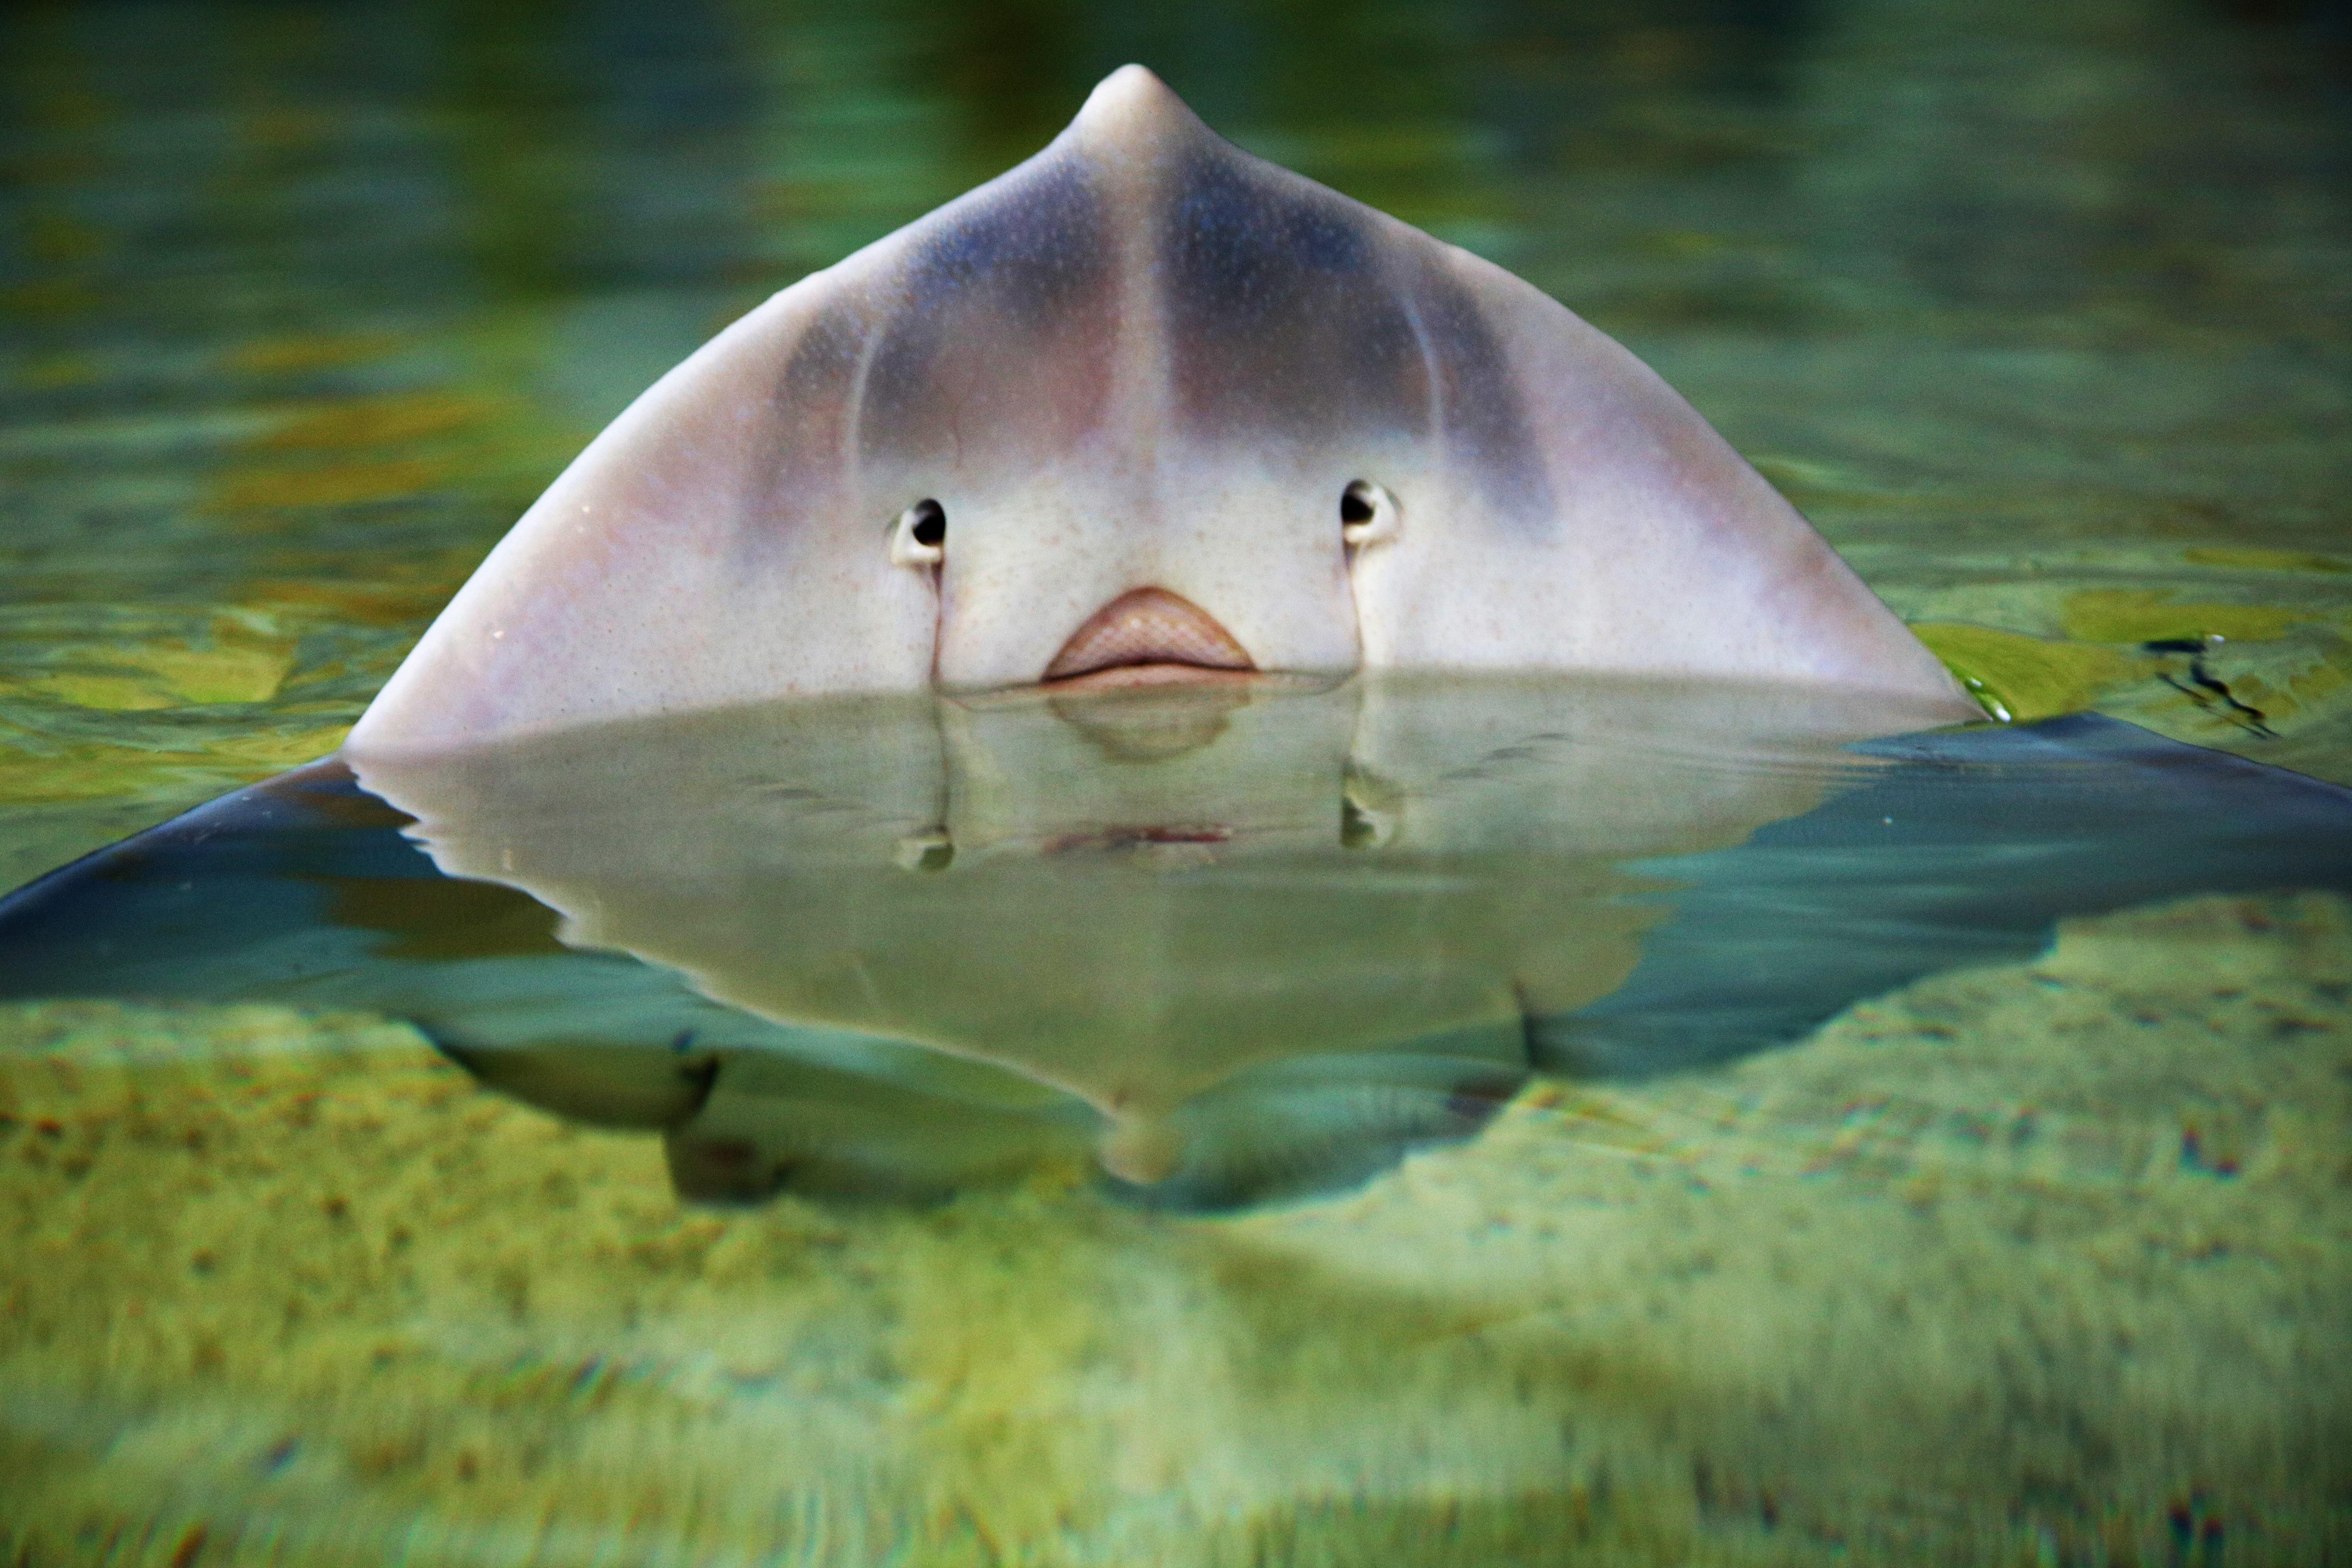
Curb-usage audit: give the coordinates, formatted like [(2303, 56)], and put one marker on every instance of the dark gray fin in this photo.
[(1967, 851)]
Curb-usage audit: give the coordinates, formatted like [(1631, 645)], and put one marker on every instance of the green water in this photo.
[(2043, 313), (2039, 312)]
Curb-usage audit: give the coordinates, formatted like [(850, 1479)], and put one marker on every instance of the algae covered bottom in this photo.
[(1923, 1289)]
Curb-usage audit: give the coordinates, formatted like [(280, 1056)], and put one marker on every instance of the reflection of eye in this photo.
[(1367, 513), (930, 850), (919, 537), (1369, 809)]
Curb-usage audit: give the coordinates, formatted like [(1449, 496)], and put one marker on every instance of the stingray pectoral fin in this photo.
[(239, 898), (703, 550), (1962, 848), (1581, 515)]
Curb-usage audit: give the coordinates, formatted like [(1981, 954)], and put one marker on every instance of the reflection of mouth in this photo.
[(1115, 838), (1149, 719), (1148, 636)]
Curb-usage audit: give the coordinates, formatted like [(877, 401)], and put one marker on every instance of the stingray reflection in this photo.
[(1232, 923), (1231, 942)]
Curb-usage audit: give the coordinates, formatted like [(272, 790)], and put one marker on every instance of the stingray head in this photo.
[(1144, 408)]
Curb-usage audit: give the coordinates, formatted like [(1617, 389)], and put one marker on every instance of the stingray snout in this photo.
[(1147, 637)]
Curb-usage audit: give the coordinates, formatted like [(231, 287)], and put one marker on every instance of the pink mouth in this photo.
[(1148, 636)]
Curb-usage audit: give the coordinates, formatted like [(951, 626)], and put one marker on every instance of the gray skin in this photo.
[(1179, 414)]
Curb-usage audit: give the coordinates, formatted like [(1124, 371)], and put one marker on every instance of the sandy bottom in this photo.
[(2041, 1264)]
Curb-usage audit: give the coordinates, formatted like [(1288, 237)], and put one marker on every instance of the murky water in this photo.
[(2040, 313)]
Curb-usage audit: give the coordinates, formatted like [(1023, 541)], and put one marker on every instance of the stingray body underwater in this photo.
[(1236, 945), (1155, 662)]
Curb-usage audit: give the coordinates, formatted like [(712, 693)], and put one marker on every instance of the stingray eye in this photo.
[(1368, 514), (919, 537)]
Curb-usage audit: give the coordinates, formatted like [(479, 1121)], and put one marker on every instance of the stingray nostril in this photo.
[(919, 537), (1367, 513)]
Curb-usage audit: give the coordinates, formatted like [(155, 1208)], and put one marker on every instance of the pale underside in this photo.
[(1142, 361)]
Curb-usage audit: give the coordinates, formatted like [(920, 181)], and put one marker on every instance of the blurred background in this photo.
[(2038, 309)]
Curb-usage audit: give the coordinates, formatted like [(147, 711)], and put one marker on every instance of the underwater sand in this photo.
[(2041, 1263)]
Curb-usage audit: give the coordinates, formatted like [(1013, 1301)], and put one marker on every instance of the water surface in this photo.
[(2040, 313)]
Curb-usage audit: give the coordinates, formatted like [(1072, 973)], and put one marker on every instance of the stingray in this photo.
[(1232, 943), (1159, 664), (1144, 408)]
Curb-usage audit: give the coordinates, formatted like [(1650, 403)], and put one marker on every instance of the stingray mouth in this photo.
[(1148, 636)]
